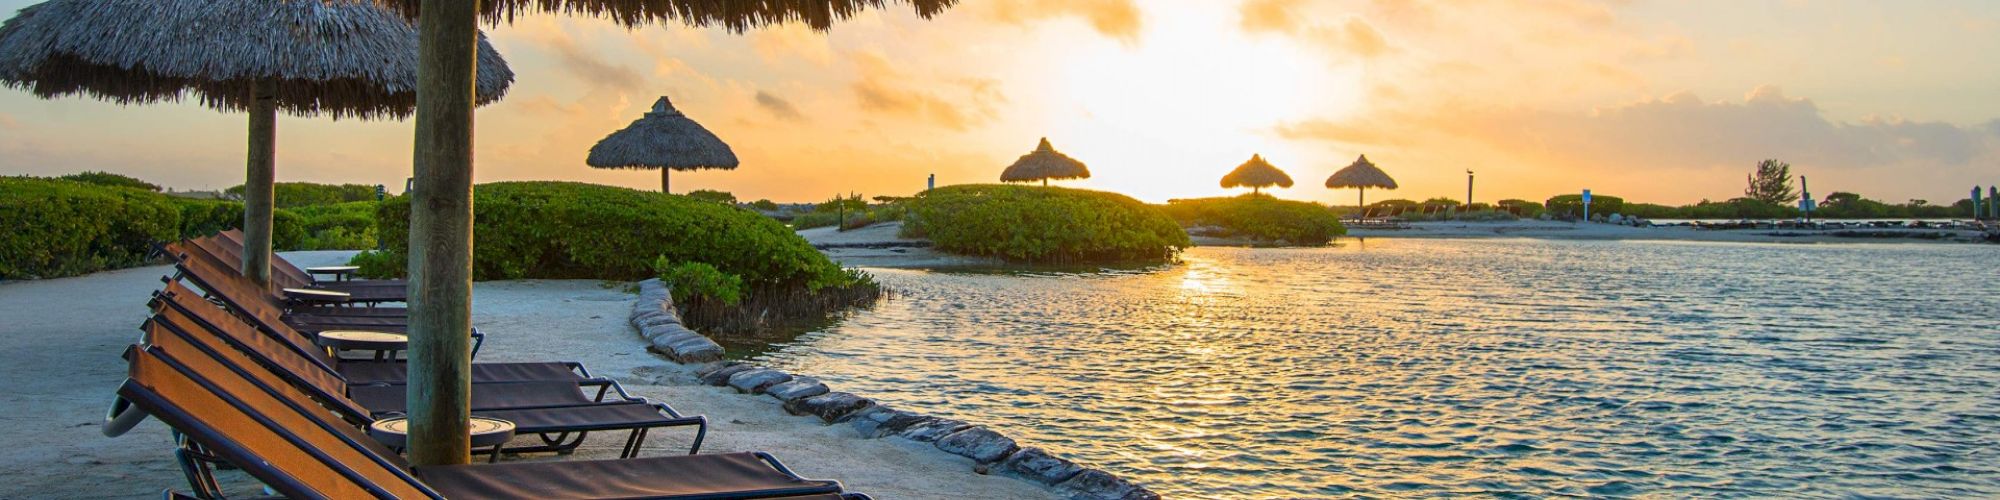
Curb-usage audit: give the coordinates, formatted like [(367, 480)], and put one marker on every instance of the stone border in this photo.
[(657, 320), (660, 323)]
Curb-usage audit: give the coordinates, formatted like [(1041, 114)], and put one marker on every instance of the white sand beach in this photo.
[(879, 245), (60, 341)]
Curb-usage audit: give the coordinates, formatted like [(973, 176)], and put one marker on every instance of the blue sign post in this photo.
[(1586, 205)]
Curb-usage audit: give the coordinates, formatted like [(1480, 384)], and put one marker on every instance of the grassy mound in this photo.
[(1043, 224), (61, 228), (570, 230), (1260, 218)]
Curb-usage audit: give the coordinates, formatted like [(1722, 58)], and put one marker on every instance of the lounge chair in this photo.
[(358, 372), (251, 300), (229, 244), (283, 439), (556, 412)]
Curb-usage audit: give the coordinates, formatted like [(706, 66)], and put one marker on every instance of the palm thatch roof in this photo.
[(1042, 164), (735, 16), (345, 58), (1256, 173), (1361, 174), (664, 138)]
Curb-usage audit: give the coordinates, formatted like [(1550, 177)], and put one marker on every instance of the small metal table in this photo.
[(486, 433), (340, 273), (383, 343), (316, 295)]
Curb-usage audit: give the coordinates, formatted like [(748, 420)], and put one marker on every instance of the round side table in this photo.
[(384, 344), (486, 433)]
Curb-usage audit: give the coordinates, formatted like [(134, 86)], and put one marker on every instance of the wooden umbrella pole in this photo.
[(260, 175), (440, 285)]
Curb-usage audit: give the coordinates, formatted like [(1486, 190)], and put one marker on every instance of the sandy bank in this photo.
[(59, 364), (878, 245)]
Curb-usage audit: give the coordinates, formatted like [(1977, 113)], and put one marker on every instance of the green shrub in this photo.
[(1262, 218), (712, 195), (1484, 216), (689, 280), (111, 179), (1519, 207), (380, 264), (575, 230), (811, 220), (65, 228), (299, 194), (1571, 205), (1043, 224), (766, 205), (340, 226)]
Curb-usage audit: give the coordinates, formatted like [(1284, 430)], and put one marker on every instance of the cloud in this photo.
[(1677, 131), (587, 67), (1117, 19), (775, 43), (1351, 37), (876, 94), (778, 107), (7, 122), (1275, 16)]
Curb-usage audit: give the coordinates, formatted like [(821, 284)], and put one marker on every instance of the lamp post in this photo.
[(1468, 189)]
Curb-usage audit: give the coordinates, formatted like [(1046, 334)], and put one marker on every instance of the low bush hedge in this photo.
[(1571, 205), (569, 230), (61, 228), (111, 179), (1043, 224), (1261, 218), (340, 226), (300, 194)]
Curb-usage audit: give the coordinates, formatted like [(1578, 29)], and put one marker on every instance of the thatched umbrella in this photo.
[(1256, 174), (441, 212), (664, 139), (1042, 164), (342, 58), (1361, 175)]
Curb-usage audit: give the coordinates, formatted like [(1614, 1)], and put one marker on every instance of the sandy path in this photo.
[(60, 340)]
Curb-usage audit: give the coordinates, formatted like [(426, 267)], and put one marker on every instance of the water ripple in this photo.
[(1442, 368)]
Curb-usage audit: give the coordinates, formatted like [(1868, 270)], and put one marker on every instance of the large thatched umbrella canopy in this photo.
[(441, 212), (664, 139), (342, 58), (1361, 175), (1256, 174), (1042, 164)]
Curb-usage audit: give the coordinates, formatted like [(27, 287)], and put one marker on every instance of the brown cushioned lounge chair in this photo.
[(282, 438), (229, 245), (555, 412)]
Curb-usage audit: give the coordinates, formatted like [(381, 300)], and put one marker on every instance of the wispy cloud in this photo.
[(778, 106), (1119, 19), (881, 92)]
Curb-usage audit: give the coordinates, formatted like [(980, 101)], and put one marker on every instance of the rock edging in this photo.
[(990, 451), (657, 320)]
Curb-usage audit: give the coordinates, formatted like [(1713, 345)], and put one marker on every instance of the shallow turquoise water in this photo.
[(1453, 367)]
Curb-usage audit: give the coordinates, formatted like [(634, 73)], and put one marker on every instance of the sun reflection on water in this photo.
[(1451, 368)]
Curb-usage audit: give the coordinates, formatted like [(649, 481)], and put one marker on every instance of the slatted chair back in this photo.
[(290, 448), (261, 350)]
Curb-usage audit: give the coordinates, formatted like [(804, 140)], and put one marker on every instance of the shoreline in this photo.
[(63, 362), (879, 246)]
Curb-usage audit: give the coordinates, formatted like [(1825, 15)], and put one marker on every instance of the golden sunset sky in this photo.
[(1656, 101)]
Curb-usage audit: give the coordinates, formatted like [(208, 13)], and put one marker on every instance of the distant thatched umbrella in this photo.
[(440, 318), (664, 139), (1361, 175), (343, 58), (1042, 164), (1256, 174)]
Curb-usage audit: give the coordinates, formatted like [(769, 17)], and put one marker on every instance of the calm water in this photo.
[(1452, 367)]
